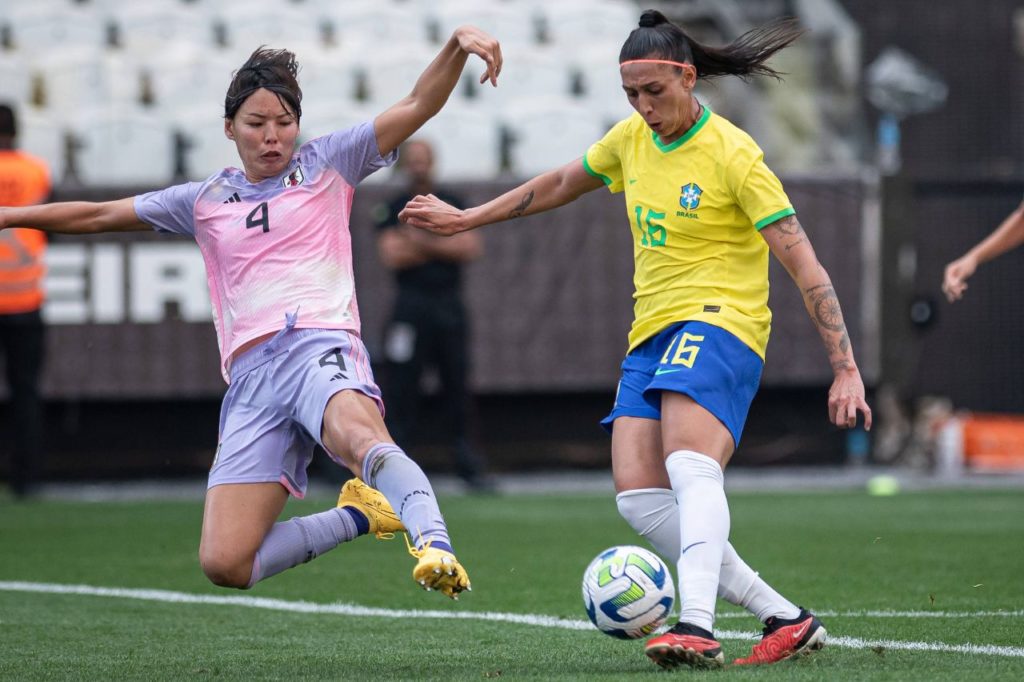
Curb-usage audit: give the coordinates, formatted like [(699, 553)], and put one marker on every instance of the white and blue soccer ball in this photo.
[(628, 592)]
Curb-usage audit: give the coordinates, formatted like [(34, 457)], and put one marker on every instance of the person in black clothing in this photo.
[(428, 326)]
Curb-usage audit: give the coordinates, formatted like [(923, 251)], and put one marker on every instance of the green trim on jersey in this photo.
[(705, 115), (765, 222), (586, 166)]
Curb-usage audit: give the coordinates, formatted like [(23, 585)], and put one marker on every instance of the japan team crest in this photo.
[(294, 179), (689, 196)]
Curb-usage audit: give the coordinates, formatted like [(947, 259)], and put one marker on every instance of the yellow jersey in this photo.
[(695, 207)]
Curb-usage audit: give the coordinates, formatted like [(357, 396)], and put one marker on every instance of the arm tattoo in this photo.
[(827, 312), (523, 205), (790, 227)]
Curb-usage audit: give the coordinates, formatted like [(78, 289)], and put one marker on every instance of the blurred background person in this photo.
[(1009, 235), (428, 327), (24, 180)]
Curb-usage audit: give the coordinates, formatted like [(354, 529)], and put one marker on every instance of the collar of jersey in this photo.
[(239, 175), (705, 115)]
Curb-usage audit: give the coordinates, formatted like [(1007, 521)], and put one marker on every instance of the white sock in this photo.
[(704, 531), (654, 514)]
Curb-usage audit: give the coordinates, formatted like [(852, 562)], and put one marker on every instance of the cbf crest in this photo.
[(689, 196)]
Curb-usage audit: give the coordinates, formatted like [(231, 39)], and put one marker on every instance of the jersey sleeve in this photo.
[(602, 159), (760, 195), (171, 209), (353, 152)]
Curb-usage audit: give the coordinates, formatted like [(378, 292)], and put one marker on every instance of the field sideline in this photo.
[(921, 585)]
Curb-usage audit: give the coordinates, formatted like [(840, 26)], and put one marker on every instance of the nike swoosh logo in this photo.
[(632, 180), (660, 371), (802, 631), (688, 547)]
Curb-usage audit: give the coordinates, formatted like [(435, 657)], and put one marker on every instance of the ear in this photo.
[(229, 129), (689, 76)]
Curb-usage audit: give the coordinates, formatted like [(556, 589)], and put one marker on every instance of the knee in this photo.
[(646, 508), (226, 571)]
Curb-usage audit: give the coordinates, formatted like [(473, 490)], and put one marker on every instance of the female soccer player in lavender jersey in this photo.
[(275, 239)]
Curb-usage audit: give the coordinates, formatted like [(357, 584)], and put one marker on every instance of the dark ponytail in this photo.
[(658, 38), (275, 70)]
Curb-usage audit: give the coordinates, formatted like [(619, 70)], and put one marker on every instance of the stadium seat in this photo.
[(549, 134), (373, 22), (169, 23), (186, 78), (87, 78), (37, 28), (126, 147), (598, 68), (591, 22), (43, 135), (206, 148), (17, 78), (528, 73), (509, 25), (466, 141), (391, 76), (248, 25), (329, 78)]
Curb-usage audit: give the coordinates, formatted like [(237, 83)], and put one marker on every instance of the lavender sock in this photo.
[(301, 539), (406, 487)]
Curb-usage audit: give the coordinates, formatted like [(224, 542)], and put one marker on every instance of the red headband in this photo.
[(653, 61)]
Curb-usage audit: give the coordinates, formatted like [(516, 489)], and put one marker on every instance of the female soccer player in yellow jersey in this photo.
[(705, 211)]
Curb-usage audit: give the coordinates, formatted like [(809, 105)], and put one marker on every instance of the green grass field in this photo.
[(917, 586)]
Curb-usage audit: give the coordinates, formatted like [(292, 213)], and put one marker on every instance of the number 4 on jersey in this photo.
[(260, 217)]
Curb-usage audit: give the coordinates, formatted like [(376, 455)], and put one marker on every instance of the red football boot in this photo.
[(685, 644), (784, 639)]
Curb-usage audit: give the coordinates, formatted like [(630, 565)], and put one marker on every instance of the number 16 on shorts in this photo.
[(682, 350)]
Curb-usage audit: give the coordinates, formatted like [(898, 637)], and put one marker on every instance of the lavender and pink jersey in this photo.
[(278, 246)]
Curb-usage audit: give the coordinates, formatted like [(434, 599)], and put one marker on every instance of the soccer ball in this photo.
[(628, 592)]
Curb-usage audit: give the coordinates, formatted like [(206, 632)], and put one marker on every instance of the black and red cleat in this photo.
[(685, 644), (784, 639)]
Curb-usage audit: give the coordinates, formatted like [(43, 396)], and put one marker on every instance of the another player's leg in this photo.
[(698, 444)]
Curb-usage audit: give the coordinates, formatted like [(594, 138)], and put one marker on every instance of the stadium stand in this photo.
[(170, 61), (128, 147)]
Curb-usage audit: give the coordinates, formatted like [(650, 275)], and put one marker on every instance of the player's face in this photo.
[(662, 95), (264, 130)]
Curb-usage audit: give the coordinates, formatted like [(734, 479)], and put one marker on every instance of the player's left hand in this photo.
[(431, 214), (474, 41), (846, 398)]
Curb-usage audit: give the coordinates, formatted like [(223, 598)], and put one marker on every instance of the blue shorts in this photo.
[(273, 411), (697, 359)]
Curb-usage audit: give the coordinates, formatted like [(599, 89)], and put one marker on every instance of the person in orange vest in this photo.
[(24, 180)]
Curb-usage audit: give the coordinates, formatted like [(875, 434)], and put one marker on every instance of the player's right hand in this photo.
[(954, 281), (431, 214), (474, 41)]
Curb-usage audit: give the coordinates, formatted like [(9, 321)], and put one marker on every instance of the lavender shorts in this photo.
[(273, 411)]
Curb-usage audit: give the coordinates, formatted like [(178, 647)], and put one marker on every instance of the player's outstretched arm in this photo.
[(546, 191), (1009, 235), (435, 84), (75, 217), (789, 243)]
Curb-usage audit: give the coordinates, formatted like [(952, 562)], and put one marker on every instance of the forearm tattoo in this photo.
[(828, 317), (523, 205), (790, 227)]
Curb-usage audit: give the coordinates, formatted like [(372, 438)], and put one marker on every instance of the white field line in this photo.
[(491, 616)]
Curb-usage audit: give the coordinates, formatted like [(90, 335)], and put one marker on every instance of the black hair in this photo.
[(275, 70), (8, 122), (658, 38)]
